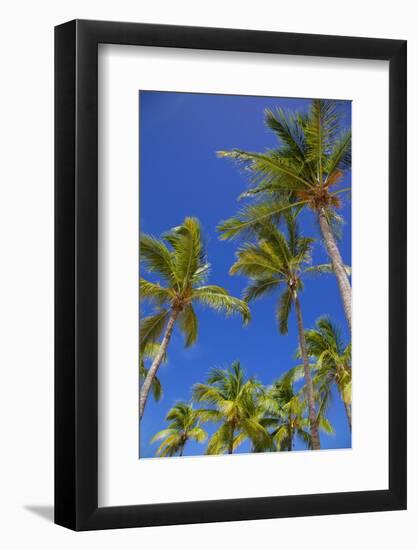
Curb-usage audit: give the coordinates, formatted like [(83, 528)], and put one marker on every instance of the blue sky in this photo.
[(180, 175)]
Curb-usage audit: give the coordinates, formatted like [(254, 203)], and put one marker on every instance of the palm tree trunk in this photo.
[(290, 438), (146, 386), (348, 414), (232, 436), (307, 375), (338, 265)]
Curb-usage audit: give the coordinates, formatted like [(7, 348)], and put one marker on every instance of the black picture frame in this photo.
[(76, 271)]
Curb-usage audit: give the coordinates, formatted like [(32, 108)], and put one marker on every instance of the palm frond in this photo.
[(170, 446), (283, 171), (152, 327), (257, 261), (248, 220), (260, 287), (340, 157), (274, 242), (283, 310), (281, 438), (220, 440), (209, 394), (154, 292), (150, 351), (257, 433), (156, 257), (220, 300), (188, 324), (188, 248), (162, 434), (326, 426), (156, 388), (198, 434), (292, 230), (207, 415), (288, 129), (321, 127)]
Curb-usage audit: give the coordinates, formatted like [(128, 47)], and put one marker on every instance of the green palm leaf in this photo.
[(250, 219), (154, 292), (260, 287), (188, 249), (220, 300), (198, 434), (289, 130), (321, 127), (184, 424), (283, 172), (256, 261), (283, 310), (188, 323), (152, 327), (156, 257), (219, 441), (340, 157)]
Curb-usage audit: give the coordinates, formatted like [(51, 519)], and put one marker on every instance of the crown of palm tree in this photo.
[(184, 425), (276, 259), (234, 403), (285, 414), (311, 159), (180, 263)]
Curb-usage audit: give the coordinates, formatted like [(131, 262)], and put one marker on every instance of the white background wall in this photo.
[(26, 273)]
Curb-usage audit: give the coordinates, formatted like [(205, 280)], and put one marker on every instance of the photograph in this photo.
[(244, 274)]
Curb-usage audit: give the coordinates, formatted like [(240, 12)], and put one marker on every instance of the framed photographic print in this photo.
[(230, 275)]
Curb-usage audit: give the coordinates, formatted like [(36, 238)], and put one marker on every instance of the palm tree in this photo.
[(235, 403), (333, 361), (285, 414), (276, 260), (182, 266), (312, 158), (184, 425)]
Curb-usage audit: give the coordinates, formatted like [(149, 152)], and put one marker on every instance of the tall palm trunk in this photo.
[(348, 410), (146, 386), (338, 266), (307, 374), (232, 437), (290, 438)]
